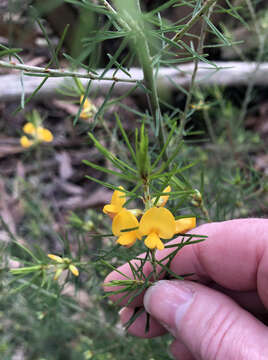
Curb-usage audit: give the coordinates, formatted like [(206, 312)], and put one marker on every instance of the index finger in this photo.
[(234, 255)]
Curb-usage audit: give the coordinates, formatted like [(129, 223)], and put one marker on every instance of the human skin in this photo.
[(219, 312)]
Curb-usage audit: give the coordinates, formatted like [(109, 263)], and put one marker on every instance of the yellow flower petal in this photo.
[(125, 220), (47, 135), (73, 270), (183, 225), (29, 128), (39, 133), (153, 242), (119, 197), (88, 108), (117, 202), (110, 210), (26, 142), (164, 198), (56, 258), (43, 134), (127, 239), (158, 220)]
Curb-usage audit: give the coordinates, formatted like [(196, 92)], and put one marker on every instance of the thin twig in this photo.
[(115, 14), (196, 63), (60, 72), (190, 23)]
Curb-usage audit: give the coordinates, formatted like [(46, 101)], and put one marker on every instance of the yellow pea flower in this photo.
[(117, 203), (29, 128), (43, 134), (37, 133), (157, 223), (123, 221), (26, 142), (163, 199), (88, 110), (185, 224)]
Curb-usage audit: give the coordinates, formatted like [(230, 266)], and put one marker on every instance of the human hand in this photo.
[(218, 317)]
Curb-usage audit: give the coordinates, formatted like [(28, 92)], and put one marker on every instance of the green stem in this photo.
[(196, 62), (79, 85), (209, 126), (141, 45), (154, 264), (151, 85), (190, 23), (205, 212), (147, 196)]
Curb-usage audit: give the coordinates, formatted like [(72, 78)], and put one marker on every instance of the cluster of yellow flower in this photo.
[(156, 223), (37, 134)]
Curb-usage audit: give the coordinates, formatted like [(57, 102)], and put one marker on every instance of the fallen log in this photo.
[(222, 73)]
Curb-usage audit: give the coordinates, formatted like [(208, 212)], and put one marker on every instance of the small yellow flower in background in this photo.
[(157, 223), (74, 270), (43, 134), (117, 203), (64, 264), (29, 128), (26, 142), (88, 110), (57, 273), (125, 220), (163, 199), (37, 133), (56, 258), (185, 224)]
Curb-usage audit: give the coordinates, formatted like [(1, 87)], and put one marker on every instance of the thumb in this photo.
[(208, 323)]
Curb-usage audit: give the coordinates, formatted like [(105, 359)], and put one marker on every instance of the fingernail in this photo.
[(168, 301)]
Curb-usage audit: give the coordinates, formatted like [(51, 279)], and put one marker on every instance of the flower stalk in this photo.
[(147, 196), (154, 264)]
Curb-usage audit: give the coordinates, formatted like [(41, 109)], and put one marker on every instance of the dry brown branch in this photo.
[(225, 73)]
